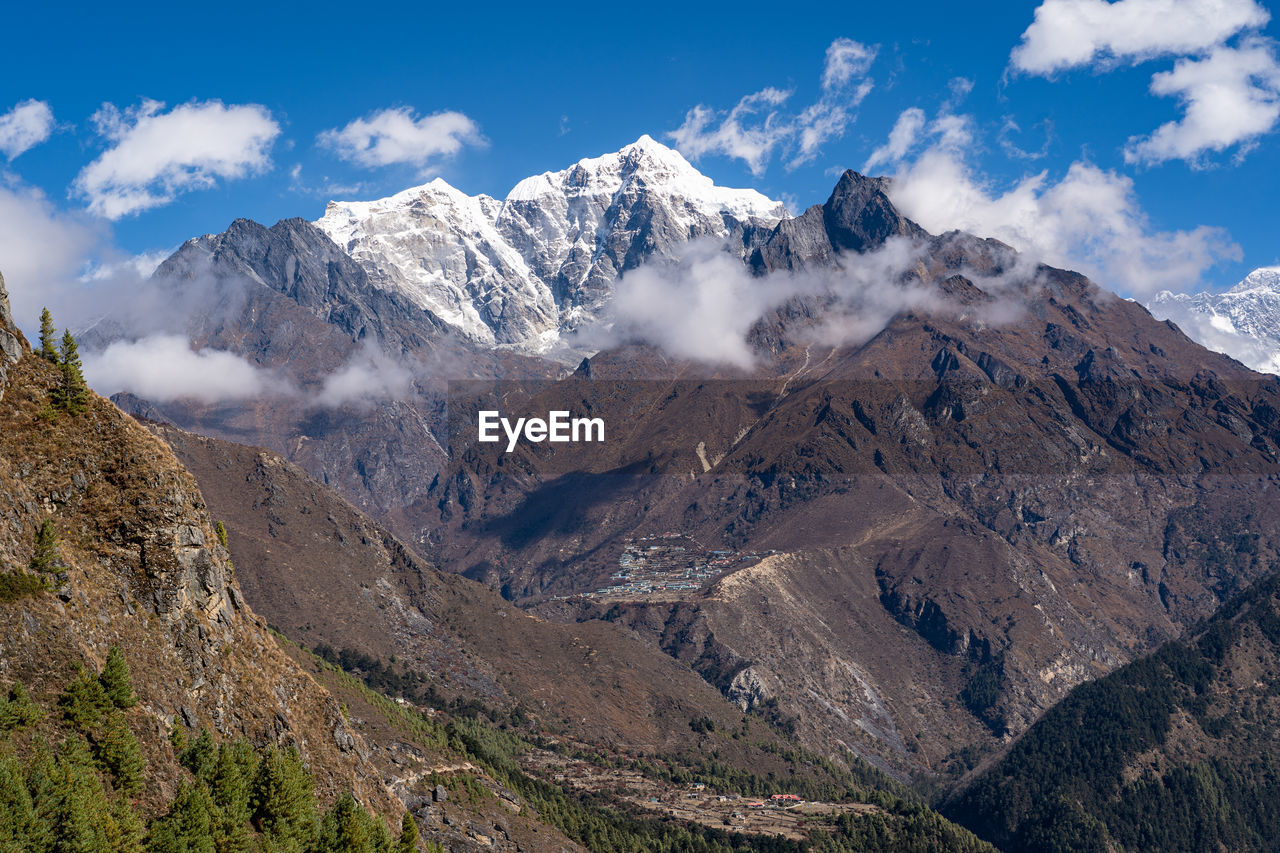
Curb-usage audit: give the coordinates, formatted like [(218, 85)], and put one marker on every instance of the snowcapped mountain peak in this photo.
[(1263, 279), (1243, 322), (657, 168), (522, 271)]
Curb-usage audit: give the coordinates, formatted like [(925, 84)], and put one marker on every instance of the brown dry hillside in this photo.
[(324, 573)]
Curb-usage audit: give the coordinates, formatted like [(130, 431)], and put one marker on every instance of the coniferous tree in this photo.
[(117, 752), (20, 828), (200, 757), (284, 805), (231, 789), (188, 825), (83, 702), (81, 818), (47, 349), (348, 828), (71, 395), (127, 834), (408, 841), (116, 681), (18, 711), (45, 555)]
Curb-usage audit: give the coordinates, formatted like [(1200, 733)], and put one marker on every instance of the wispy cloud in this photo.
[(41, 250), (703, 305), (1230, 94), (757, 127), (397, 136), (368, 376), (156, 156), (24, 127), (906, 130)]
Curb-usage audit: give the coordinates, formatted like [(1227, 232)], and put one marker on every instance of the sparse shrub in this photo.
[(45, 555)]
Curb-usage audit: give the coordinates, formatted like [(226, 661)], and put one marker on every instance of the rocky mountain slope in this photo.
[(1176, 751), (139, 565), (137, 562), (524, 271), (1243, 322), (599, 701), (359, 347), (1015, 487), (326, 574)]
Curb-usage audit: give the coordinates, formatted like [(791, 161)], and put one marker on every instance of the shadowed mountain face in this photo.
[(290, 301), (946, 527)]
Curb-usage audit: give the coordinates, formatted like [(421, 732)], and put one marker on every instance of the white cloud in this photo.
[(162, 367), (1230, 96), (1011, 148), (756, 127), (1090, 219), (41, 250), (906, 130), (367, 376), (395, 136), (701, 308), (1070, 33), (24, 127), (155, 156), (1216, 332)]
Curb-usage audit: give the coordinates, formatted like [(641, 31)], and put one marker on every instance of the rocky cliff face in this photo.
[(857, 217), (524, 271), (10, 338), (290, 301), (140, 566)]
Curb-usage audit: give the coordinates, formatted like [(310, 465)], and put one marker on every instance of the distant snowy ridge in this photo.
[(1243, 322), (522, 272)]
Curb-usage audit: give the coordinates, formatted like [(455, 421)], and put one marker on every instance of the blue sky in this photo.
[(1055, 147)]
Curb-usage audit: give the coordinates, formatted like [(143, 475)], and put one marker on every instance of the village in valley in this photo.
[(667, 565), (786, 815)]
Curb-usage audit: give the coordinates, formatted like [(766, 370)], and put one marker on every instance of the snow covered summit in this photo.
[(522, 272), (1243, 322)]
